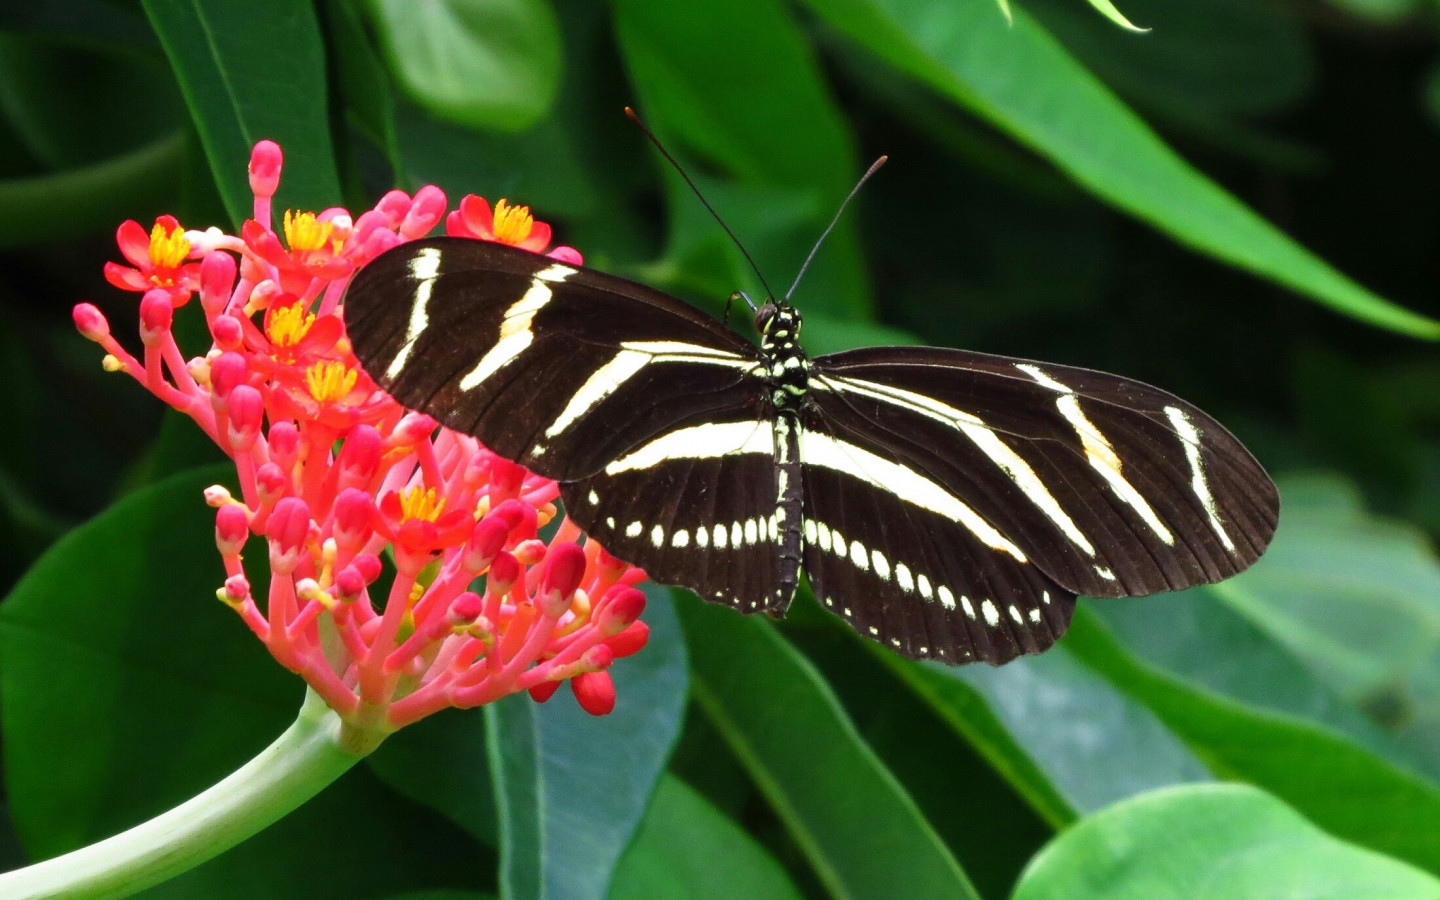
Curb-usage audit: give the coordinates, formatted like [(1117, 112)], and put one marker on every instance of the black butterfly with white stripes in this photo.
[(947, 504)]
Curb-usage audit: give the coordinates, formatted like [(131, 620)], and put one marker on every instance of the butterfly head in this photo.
[(778, 323)]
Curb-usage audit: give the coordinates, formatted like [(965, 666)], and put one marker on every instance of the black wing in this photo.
[(907, 564), (646, 407), (1109, 486), (558, 367)]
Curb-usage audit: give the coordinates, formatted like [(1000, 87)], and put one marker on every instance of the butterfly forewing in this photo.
[(1112, 487), (557, 367)]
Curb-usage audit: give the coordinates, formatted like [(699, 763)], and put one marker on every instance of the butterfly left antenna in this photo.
[(746, 253), (874, 167)]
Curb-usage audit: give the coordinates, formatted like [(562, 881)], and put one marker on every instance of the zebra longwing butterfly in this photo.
[(947, 504)]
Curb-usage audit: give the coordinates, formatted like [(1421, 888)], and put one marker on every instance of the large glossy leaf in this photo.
[(681, 846), (1211, 842), (763, 117), (83, 200), (1020, 79), (114, 648), (481, 63), (1353, 595), (860, 831), (251, 71), (1323, 773), (1057, 731), (570, 787)]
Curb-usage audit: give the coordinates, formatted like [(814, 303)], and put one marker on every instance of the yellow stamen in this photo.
[(288, 326), (168, 249), (330, 381), (305, 232), (111, 363), (421, 503), (416, 592), (513, 224), (482, 507), (545, 514)]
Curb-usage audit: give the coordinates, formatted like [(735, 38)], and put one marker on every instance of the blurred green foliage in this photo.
[(1238, 205)]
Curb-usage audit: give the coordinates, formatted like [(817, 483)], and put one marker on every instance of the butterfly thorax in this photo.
[(784, 362)]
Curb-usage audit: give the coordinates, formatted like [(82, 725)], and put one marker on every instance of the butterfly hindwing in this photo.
[(1112, 487), (906, 565), (695, 507)]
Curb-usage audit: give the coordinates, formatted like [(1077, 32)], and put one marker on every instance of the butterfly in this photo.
[(947, 504)]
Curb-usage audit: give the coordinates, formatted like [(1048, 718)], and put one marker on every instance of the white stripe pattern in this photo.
[(986, 440), (515, 333), (423, 269), (699, 442), (1098, 451), (827, 452), (1190, 437)]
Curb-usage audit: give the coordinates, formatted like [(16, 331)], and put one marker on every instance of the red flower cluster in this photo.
[(332, 473)]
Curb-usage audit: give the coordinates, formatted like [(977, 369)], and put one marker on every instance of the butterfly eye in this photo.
[(764, 316)]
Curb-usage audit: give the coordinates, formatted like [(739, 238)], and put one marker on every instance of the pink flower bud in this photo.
[(349, 584), (595, 692), (504, 572), (288, 528), (530, 552), (247, 408), (427, 209), (564, 567), (629, 641), (413, 428), (270, 483), (226, 371), (267, 294), (284, 440), (567, 255), (265, 164), (394, 206), (487, 538), (228, 332), (368, 565), (217, 280), (232, 528), (544, 691), (90, 321), (465, 609), (622, 606), (359, 456), (157, 311), (505, 478), (236, 589), (354, 518)]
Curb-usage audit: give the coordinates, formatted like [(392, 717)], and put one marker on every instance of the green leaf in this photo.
[(1330, 779), (764, 117), (1067, 739), (1108, 10), (683, 842), (441, 762), (61, 207), (859, 829), (1021, 80), (1355, 596), (571, 787), (73, 100), (1212, 841), (254, 71), (480, 63), (114, 649)]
